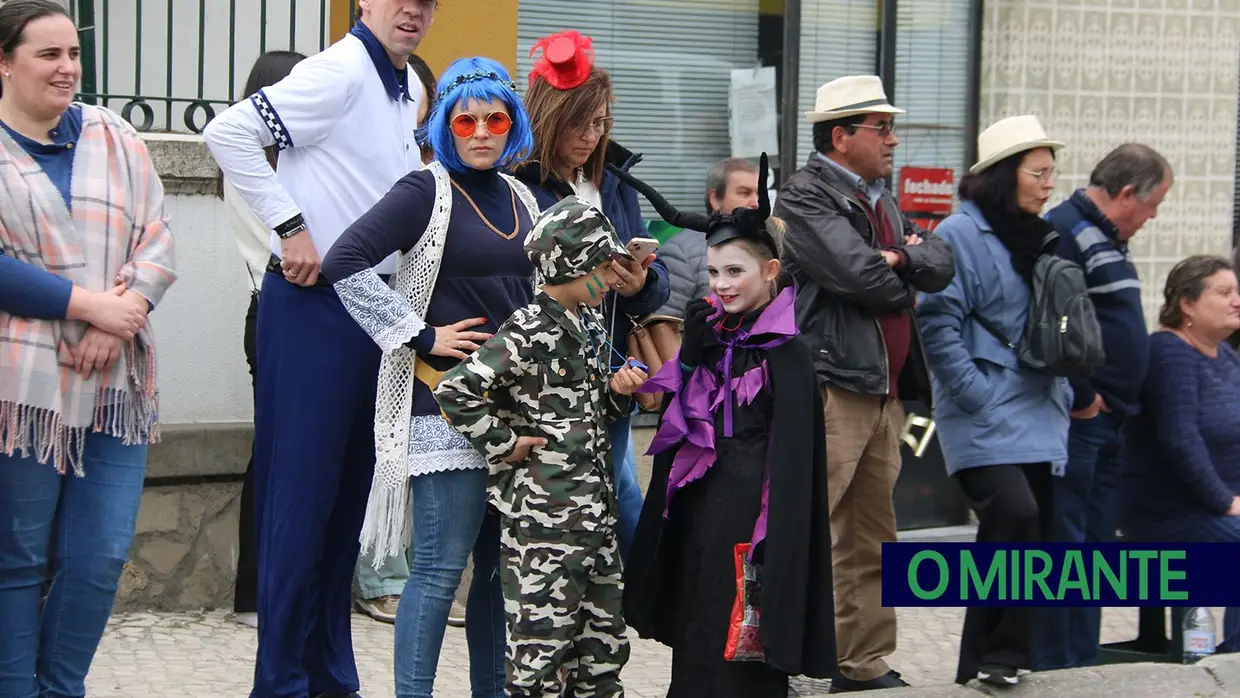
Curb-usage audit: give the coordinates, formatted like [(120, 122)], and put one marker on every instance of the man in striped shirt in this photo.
[(1094, 226)]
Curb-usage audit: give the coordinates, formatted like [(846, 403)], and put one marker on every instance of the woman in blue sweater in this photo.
[(569, 99), (460, 226), (1182, 465), (1003, 428)]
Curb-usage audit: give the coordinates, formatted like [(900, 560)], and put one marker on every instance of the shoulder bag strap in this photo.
[(991, 328)]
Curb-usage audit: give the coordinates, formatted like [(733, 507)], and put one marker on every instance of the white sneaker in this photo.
[(998, 674), (250, 619)]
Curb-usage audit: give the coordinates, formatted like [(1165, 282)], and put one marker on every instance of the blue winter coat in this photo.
[(989, 410)]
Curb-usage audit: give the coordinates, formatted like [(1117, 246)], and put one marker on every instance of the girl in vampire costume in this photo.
[(740, 458)]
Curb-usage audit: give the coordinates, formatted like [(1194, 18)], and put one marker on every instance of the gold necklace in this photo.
[(516, 222)]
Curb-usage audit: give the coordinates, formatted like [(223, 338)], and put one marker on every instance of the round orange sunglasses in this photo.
[(465, 125)]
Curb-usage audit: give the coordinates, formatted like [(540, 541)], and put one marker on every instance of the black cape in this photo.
[(797, 602)]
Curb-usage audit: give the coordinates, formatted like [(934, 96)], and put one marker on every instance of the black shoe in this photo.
[(843, 684), (998, 675)]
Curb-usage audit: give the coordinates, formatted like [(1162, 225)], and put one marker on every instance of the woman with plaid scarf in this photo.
[(85, 254)]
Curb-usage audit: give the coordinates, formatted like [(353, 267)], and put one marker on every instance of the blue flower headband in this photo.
[(471, 77)]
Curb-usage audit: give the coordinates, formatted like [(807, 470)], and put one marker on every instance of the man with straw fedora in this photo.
[(858, 265)]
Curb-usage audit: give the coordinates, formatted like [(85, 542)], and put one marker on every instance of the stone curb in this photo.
[(1215, 676)]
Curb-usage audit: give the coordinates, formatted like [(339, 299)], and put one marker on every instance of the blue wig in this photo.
[(486, 81)]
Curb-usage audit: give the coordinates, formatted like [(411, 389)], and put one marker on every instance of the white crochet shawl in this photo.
[(387, 530)]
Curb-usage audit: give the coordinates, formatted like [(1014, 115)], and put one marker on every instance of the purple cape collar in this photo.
[(689, 418)]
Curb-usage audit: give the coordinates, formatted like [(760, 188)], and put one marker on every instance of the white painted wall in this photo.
[(120, 47), (200, 323)]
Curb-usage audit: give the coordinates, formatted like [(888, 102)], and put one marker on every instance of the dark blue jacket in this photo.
[(621, 207), (1088, 238)]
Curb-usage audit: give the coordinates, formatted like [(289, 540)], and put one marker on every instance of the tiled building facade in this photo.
[(1102, 72)]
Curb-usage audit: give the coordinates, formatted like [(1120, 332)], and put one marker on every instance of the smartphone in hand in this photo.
[(641, 248)]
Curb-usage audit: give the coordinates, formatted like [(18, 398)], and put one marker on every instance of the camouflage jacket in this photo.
[(543, 374)]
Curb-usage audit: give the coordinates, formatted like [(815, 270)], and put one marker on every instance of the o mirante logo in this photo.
[(1103, 574)]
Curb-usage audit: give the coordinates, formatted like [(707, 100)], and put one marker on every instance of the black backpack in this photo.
[(1062, 336)]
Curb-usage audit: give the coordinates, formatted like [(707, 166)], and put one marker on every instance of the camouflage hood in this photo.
[(570, 239)]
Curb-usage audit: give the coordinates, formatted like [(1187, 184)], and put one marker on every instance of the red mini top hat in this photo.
[(566, 59)]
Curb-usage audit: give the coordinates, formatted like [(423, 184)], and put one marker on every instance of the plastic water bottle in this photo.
[(1198, 629)]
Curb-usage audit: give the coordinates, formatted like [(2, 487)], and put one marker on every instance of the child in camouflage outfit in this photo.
[(535, 400)]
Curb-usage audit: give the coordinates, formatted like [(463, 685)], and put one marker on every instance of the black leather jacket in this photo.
[(844, 284)]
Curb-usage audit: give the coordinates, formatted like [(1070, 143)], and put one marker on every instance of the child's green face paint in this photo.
[(592, 283)]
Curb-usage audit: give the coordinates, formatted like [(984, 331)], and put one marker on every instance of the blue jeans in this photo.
[(1085, 504), (450, 519), (628, 491), (48, 654)]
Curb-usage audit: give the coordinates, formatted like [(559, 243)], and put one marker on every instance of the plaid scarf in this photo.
[(116, 231)]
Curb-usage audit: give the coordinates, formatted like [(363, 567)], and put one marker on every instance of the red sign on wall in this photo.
[(926, 194)]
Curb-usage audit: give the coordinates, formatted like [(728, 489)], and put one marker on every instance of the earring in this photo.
[(1188, 323)]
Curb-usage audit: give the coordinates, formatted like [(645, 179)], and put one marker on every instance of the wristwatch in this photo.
[(291, 227)]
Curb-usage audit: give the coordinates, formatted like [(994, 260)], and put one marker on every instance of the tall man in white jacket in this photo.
[(343, 122)]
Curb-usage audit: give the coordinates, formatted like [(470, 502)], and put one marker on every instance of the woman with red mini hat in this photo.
[(569, 100)]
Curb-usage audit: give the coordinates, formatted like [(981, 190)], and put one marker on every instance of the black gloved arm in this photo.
[(692, 341)]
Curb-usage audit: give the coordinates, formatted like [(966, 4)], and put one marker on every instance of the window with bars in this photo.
[(841, 37), (838, 38), (932, 63)]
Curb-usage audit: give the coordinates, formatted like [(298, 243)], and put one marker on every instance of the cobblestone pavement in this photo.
[(197, 655)]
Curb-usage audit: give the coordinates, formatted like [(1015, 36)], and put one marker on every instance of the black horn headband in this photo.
[(747, 223)]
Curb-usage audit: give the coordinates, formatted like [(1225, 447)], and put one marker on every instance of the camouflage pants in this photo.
[(563, 600)]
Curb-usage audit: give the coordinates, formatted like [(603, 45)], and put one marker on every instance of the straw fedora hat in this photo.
[(849, 96), (1009, 136)]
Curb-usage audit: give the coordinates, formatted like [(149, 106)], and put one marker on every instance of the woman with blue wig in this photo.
[(459, 226)]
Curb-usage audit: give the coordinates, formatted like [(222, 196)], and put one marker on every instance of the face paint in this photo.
[(736, 278), (590, 285)]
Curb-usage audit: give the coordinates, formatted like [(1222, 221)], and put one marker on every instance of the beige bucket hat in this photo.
[(1009, 136), (849, 96)]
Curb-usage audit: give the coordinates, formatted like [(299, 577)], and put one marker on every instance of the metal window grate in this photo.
[(170, 65)]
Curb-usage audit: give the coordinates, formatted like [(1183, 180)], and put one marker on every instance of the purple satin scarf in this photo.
[(689, 419)]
